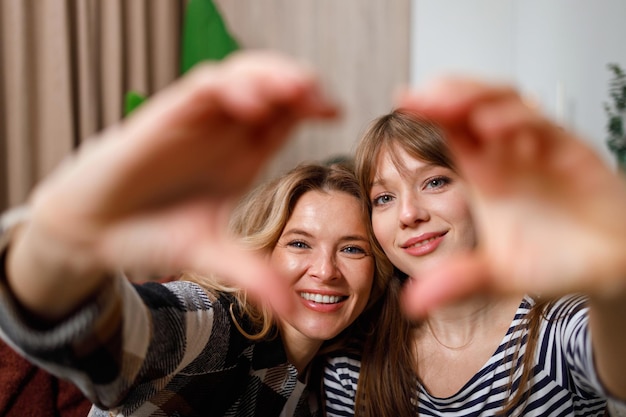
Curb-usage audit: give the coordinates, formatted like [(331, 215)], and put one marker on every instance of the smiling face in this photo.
[(420, 212), (324, 253)]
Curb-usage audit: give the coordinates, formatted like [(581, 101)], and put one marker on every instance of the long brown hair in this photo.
[(388, 377), (261, 216)]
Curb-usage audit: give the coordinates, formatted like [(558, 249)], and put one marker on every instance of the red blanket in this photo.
[(27, 391)]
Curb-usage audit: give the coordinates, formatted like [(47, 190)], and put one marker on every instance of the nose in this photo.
[(324, 266), (411, 212)]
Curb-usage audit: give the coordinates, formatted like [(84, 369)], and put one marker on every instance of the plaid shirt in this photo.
[(161, 350)]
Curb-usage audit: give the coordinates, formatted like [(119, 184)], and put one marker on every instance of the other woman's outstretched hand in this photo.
[(551, 216), (153, 194)]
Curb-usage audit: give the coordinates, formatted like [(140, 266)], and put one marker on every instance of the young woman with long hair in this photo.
[(508, 309)]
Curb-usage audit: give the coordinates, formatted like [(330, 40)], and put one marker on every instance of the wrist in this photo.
[(46, 278)]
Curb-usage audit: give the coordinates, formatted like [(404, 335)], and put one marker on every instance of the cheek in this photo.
[(383, 230), (290, 267)]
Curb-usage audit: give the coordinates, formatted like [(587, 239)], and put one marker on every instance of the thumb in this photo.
[(240, 267), (466, 275)]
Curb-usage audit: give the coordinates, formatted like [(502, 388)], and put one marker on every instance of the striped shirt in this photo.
[(564, 380)]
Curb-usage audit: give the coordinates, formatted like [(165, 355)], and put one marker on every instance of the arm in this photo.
[(131, 341), (549, 212), (608, 329), (153, 194)]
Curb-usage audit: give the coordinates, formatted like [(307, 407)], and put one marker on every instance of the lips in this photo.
[(422, 239), (322, 298), (423, 244)]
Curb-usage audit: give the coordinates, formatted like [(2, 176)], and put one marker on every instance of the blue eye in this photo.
[(382, 200), (298, 244), (438, 182), (354, 251)]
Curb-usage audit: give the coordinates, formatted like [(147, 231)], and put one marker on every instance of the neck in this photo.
[(458, 325), (300, 350), (464, 312)]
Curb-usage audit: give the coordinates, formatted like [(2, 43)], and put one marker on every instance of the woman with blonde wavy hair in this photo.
[(259, 222), (153, 195)]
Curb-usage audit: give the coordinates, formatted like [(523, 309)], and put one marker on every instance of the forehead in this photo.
[(395, 160), (330, 209), (318, 201)]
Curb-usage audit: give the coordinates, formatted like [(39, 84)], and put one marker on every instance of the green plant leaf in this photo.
[(132, 101), (616, 126), (205, 35)]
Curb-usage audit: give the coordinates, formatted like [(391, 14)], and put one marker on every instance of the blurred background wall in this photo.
[(360, 47), (555, 51), (65, 66)]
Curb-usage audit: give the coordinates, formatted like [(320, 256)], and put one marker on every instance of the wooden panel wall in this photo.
[(360, 48)]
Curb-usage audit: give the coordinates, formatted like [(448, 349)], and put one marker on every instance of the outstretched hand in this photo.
[(154, 193), (549, 212)]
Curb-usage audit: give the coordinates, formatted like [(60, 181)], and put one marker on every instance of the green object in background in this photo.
[(132, 101), (205, 36), (616, 114)]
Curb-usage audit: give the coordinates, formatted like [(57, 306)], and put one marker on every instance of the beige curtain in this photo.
[(65, 66)]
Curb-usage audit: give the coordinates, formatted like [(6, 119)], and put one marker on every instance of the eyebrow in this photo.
[(378, 181), (304, 233)]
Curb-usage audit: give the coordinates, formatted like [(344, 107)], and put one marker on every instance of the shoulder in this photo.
[(347, 357), (565, 351), (344, 361), (560, 323), (565, 309), (340, 383), (195, 315), (568, 316), (568, 306), (343, 368), (182, 295)]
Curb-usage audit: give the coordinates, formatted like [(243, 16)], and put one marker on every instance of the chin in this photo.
[(322, 334)]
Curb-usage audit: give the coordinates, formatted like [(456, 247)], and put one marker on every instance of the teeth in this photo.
[(322, 299), (422, 242)]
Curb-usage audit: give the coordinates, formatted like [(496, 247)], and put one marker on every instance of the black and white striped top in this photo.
[(564, 381)]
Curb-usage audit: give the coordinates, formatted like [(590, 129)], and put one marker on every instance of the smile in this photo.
[(322, 299), (422, 242)]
